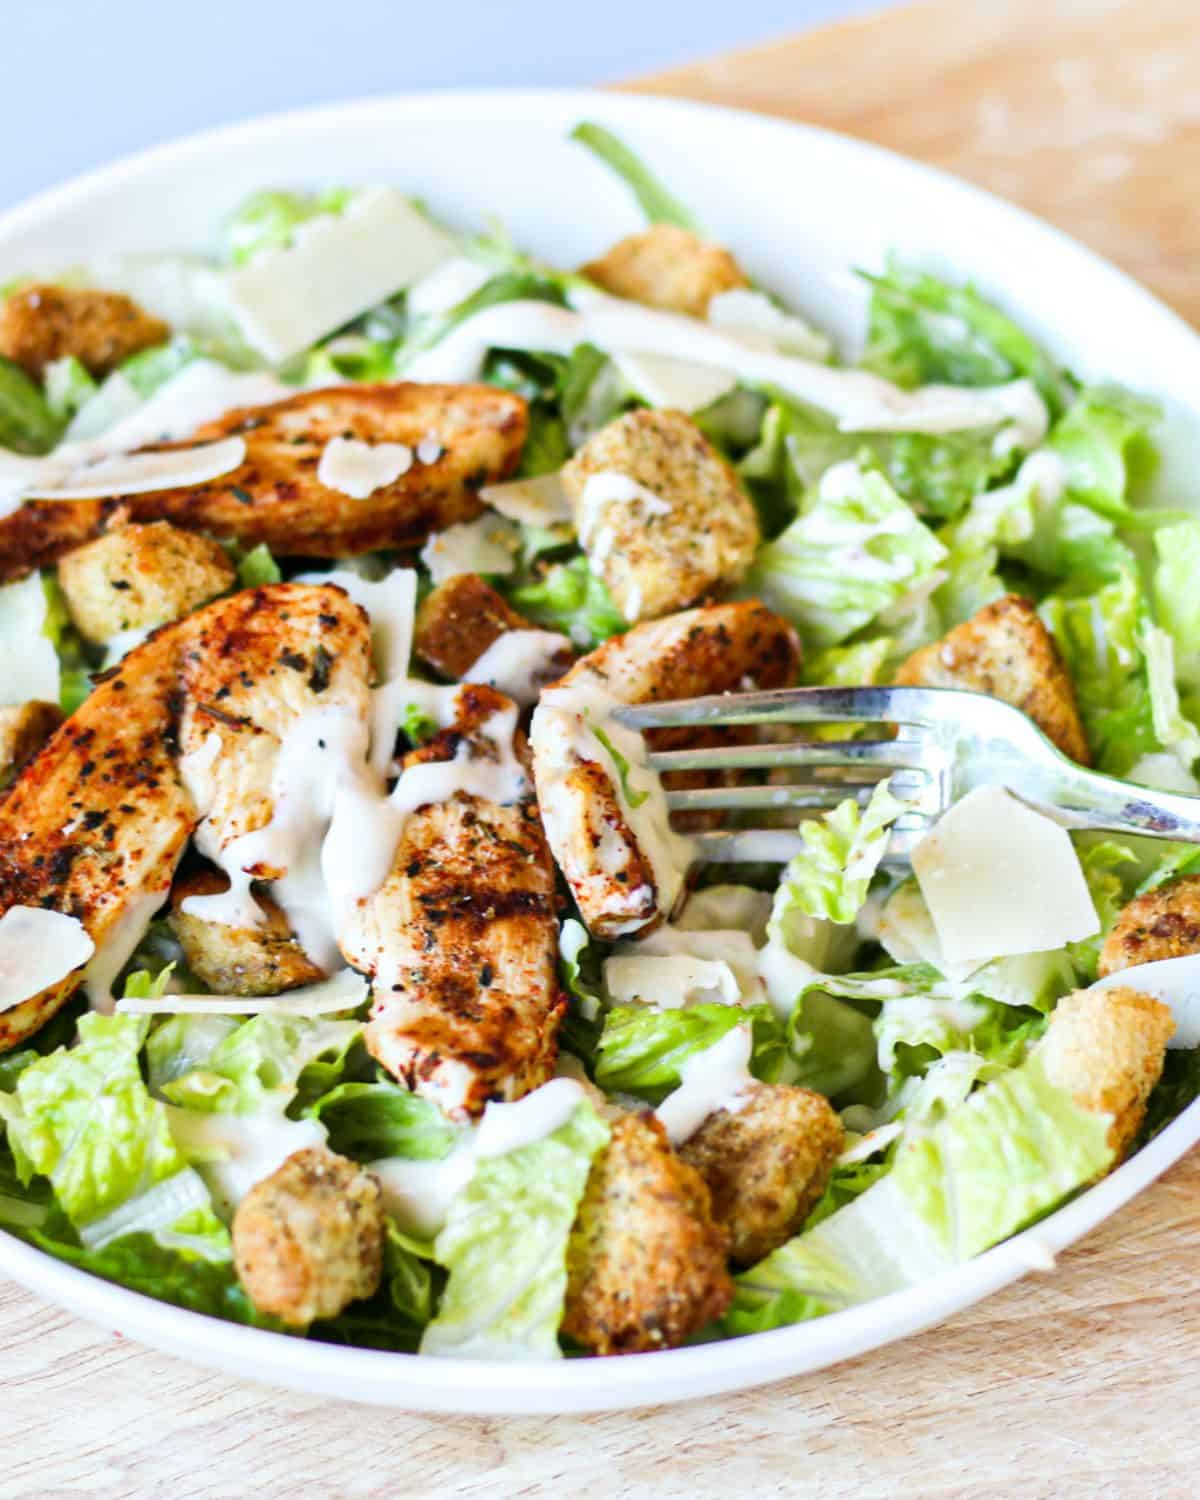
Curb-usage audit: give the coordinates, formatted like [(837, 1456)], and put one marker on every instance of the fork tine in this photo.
[(789, 705), (724, 846), (895, 755), (705, 799)]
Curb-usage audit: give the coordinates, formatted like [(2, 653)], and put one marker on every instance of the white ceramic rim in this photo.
[(475, 1386)]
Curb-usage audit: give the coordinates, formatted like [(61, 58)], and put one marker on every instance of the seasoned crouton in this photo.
[(645, 1262), (138, 577), (766, 1164), (1107, 1048), (238, 960), (24, 729), (1006, 651), (308, 1239), (665, 266), (40, 324), (659, 513), (462, 619), (1162, 923)]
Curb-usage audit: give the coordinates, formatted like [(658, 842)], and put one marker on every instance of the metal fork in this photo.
[(944, 742)]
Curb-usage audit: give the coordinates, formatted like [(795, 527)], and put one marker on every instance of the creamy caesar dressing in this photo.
[(486, 545), (38, 948), (114, 951), (715, 1079), (673, 967), (358, 469), (390, 604), (418, 1194), (566, 730), (233, 1152), (334, 828), (752, 317), (606, 489), (117, 647), (859, 401), (521, 662)]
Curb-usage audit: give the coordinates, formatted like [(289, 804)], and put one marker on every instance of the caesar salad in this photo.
[(356, 979)]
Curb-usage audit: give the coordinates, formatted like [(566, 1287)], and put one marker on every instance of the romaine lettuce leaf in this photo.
[(571, 598), (268, 219), (370, 1120), (642, 1051), (1011, 1152), (830, 877), (1104, 440), (924, 330), (1176, 597), (504, 1245), (857, 551), (28, 424), (654, 200)]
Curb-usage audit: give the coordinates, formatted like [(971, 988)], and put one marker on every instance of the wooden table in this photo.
[(1083, 1383)]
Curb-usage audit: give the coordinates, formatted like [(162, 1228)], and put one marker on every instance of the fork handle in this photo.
[(1085, 799)]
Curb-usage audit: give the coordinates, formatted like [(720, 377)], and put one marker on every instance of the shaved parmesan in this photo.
[(1174, 981), (1001, 879), (446, 286), (139, 473), (358, 469), (30, 660), (717, 1078), (38, 948), (753, 317), (117, 949), (344, 991), (662, 380), (670, 981), (336, 267), (486, 545), (531, 502)]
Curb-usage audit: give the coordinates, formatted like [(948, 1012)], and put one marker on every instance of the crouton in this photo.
[(1162, 923), (461, 619), (308, 1239), (766, 1164), (138, 577), (668, 267), (1006, 651), (262, 960), (660, 513), (24, 729), (40, 324), (1107, 1047), (645, 1262)]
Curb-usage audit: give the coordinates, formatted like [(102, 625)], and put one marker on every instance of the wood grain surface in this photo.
[(1081, 1383)]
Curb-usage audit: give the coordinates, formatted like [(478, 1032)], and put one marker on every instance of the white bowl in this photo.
[(799, 206)]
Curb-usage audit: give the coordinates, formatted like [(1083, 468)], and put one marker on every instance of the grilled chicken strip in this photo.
[(461, 941), (96, 823), (625, 879), (100, 817), (275, 496)]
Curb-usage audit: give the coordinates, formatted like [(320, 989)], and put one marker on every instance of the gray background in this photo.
[(85, 81)]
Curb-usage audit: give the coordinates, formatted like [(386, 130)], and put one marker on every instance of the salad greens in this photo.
[(127, 1141)]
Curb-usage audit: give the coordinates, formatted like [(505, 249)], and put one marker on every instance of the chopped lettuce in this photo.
[(1176, 597), (643, 1051), (831, 1043), (504, 1245), (842, 850), (84, 1118), (68, 386), (370, 1120), (571, 598), (268, 220), (858, 551), (28, 423), (258, 567), (1104, 440), (1015, 1149), (924, 330)]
